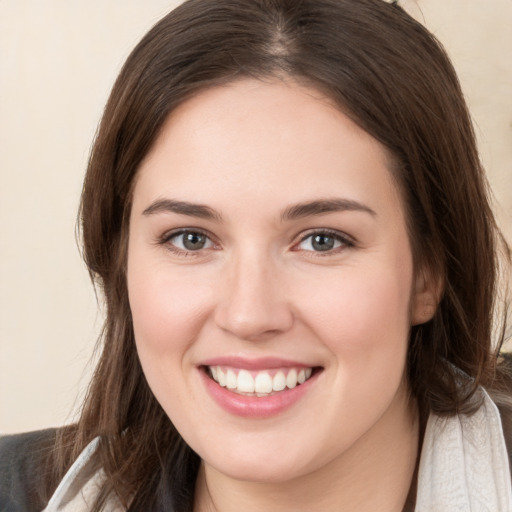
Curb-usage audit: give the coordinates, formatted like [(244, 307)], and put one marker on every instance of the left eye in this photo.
[(190, 241), (321, 242)]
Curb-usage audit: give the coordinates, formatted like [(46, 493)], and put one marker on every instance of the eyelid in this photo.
[(167, 236), (346, 240)]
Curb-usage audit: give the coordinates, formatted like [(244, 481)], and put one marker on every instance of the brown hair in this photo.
[(392, 77)]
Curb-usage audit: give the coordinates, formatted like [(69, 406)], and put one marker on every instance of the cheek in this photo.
[(168, 311), (167, 308), (362, 316), (363, 319), (361, 310)]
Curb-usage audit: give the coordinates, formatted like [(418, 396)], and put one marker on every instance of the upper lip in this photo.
[(258, 363)]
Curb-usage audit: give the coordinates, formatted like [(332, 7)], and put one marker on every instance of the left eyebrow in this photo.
[(183, 208), (322, 206)]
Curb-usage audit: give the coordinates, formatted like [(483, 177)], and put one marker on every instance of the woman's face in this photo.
[(271, 281)]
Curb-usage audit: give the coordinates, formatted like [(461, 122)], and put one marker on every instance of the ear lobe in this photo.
[(426, 296)]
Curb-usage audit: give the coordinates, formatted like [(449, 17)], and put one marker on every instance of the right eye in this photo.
[(188, 241), (321, 242)]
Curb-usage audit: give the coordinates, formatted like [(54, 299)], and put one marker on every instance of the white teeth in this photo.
[(259, 383), (245, 382), (279, 381), (231, 380), (221, 377), (291, 378), (263, 383)]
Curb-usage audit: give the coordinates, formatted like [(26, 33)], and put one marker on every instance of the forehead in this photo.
[(255, 139)]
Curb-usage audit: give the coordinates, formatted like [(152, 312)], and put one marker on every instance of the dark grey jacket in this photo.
[(22, 463)]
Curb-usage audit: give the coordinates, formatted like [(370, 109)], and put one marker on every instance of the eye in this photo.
[(189, 241), (323, 241)]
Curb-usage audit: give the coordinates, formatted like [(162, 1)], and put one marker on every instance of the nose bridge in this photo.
[(253, 303)]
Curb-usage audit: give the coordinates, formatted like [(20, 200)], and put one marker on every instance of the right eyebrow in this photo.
[(182, 208), (322, 206)]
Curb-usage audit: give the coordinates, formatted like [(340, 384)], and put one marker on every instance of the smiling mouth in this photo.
[(259, 383)]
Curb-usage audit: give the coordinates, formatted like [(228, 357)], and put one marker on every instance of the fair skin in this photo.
[(267, 237)]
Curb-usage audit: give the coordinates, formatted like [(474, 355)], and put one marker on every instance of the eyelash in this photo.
[(345, 242), (167, 237)]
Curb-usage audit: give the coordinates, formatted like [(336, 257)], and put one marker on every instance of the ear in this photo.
[(427, 293)]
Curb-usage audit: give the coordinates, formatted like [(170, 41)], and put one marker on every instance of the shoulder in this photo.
[(502, 397), (24, 460)]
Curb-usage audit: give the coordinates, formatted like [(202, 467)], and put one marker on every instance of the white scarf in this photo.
[(463, 468), (464, 464), (78, 489)]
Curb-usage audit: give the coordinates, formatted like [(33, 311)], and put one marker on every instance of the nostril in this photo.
[(254, 323)]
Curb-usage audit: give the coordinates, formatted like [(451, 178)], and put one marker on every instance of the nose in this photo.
[(253, 303)]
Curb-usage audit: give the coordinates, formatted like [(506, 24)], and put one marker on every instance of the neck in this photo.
[(375, 475)]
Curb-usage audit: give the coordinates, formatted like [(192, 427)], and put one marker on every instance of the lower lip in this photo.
[(253, 406)]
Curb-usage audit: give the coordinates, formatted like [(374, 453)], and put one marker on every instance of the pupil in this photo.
[(323, 242), (193, 241)]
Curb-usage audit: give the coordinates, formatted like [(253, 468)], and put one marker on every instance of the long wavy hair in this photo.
[(389, 75)]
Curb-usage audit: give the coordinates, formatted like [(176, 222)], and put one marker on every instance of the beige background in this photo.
[(58, 60)]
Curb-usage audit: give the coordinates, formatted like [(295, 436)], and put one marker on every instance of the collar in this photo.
[(464, 463), (80, 486), (463, 467)]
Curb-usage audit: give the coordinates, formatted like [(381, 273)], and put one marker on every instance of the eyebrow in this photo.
[(297, 211), (322, 206), (183, 208)]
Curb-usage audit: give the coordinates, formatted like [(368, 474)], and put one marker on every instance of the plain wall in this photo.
[(58, 60)]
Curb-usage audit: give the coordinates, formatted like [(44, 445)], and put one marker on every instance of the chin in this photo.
[(263, 467)]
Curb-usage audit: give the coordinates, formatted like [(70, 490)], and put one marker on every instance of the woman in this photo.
[(286, 213)]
